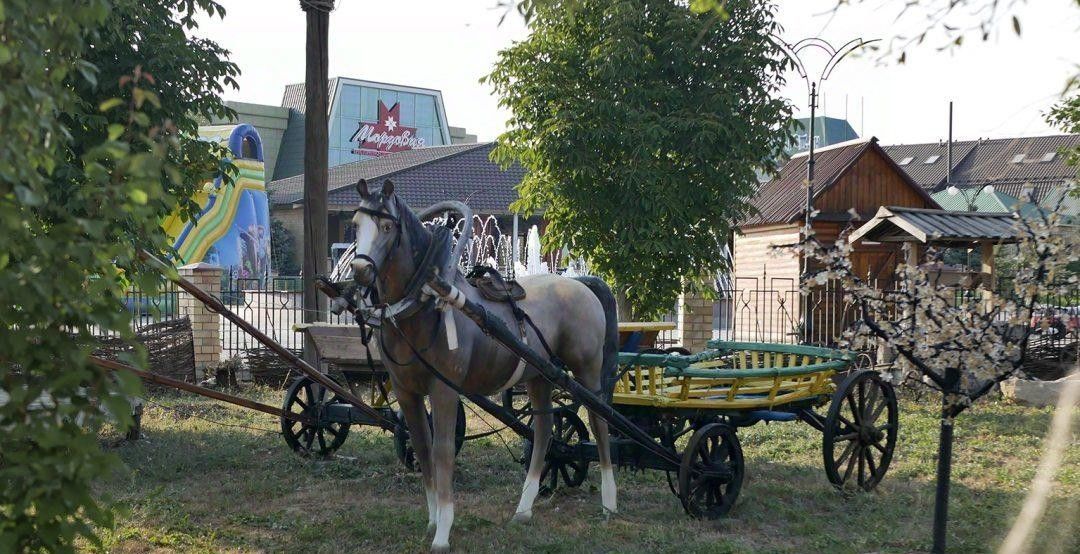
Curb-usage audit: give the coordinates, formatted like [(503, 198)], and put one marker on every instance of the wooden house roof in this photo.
[(901, 224), (783, 199)]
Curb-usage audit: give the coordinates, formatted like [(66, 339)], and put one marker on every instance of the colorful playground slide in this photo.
[(232, 229)]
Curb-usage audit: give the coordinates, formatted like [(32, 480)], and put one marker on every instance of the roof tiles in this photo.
[(422, 176), (784, 198)]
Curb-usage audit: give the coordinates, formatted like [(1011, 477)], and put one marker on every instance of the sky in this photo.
[(1000, 88)]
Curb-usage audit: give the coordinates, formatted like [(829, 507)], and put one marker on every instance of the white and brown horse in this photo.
[(577, 321)]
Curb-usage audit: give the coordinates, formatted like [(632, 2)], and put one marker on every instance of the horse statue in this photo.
[(573, 319)]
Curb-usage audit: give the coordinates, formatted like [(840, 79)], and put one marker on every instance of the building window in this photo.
[(1019, 158), (906, 160), (932, 159), (1048, 157)]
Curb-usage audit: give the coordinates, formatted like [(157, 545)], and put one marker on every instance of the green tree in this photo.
[(642, 126), (282, 249), (98, 100)]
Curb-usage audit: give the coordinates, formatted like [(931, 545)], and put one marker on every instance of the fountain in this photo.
[(492, 247)]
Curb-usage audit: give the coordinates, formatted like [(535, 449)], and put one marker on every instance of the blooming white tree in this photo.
[(959, 343)]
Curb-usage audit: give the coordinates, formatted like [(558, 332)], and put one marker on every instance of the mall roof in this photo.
[(422, 177), (900, 224)]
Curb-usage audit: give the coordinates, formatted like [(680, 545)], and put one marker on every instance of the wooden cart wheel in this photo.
[(320, 437), (711, 472), (860, 431), (403, 444), (863, 360), (569, 431)]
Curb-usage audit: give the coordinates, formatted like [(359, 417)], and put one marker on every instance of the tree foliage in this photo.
[(642, 127), (1066, 116), (98, 106), (282, 249)]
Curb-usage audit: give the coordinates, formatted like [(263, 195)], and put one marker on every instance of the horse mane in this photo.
[(419, 235)]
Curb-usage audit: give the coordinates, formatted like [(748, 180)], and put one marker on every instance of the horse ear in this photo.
[(387, 188), (361, 188)]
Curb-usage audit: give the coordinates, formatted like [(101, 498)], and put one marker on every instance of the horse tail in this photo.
[(610, 368)]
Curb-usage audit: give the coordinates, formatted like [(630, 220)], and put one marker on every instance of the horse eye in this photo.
[(386, 226)]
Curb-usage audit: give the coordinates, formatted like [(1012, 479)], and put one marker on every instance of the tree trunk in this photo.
[(623, 304), (944, 470)]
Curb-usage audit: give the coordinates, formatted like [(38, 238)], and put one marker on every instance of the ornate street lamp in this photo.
[(813, 87)]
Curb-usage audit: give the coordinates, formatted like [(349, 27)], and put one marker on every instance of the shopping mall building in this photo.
[(377, 131)]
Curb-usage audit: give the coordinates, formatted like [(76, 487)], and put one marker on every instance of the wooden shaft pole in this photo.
[(201, 391), (216, 305)]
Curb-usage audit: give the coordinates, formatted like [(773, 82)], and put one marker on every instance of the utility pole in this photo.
[(316, 163)]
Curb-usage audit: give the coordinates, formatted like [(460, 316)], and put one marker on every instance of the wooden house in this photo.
[(852, 181)]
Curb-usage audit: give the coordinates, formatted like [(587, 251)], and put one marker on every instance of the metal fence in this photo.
[(147, 308), (274, 306), (748, 313)]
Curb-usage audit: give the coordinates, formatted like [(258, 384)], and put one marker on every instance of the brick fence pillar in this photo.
[(695, 317), (205, 325)]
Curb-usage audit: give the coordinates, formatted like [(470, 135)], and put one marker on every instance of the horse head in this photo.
[(378, 231)]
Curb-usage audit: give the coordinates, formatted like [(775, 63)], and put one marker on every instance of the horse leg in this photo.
[(444, 404), (591, 379), (540, 401), (412, 406)]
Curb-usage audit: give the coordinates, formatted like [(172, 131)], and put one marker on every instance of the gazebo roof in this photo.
[(899, 224)]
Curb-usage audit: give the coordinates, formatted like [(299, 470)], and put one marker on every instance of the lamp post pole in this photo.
[(810, 163)]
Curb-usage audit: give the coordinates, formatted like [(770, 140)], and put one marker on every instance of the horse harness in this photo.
[(418, 297)]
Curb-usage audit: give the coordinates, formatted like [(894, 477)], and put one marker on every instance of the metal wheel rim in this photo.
[(307, 397), (704, 496), (860, 431)]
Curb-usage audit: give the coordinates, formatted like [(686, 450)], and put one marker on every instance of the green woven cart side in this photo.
[(802, 350), (667, 360), (676, 365), (706, 373)]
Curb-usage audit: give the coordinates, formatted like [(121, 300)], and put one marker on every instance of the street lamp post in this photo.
[(813, 86)]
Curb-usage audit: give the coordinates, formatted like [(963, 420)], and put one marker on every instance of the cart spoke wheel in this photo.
[(403, 446), (308, 398), (560, 467), (860, 431), (711, 472)]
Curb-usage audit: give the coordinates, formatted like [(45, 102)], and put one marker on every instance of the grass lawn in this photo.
[(196, 486)]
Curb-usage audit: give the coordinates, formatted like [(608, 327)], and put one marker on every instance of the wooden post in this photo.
[(986, 255), (316, 166), (912, 254)]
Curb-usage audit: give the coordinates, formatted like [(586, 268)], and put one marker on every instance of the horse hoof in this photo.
[(609, 514), (440, 549), (522, 517)]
